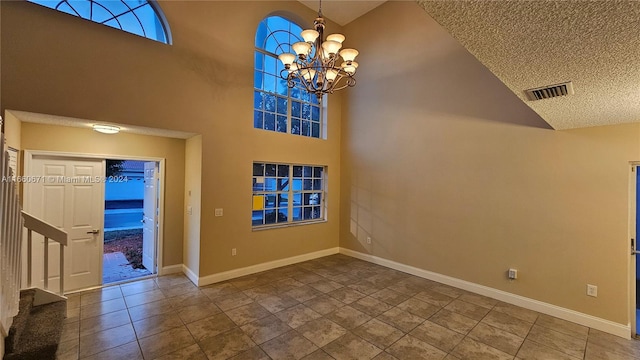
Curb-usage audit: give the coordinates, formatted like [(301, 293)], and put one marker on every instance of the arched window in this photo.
[(140, 17), (276, 106)]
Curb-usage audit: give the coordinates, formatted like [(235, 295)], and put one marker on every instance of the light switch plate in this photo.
[(218, 212)]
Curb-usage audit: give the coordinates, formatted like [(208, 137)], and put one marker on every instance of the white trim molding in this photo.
[(190, 274), (607, 326), (171, 269), (232, 274)]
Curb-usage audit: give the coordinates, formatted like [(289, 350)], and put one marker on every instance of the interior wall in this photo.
[(192, 196), (448, 171), (86, 141), (54, 63), (12, 130)]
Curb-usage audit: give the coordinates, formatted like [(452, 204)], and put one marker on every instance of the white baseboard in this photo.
[(527, 303), (190, 274), (232, 274), (171, 269)]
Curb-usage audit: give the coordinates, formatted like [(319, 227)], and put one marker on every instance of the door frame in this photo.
[(634, 166), (28, 159)]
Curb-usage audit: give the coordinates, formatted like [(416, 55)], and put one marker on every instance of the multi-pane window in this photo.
[(140, 17), (287, 193), (276, 106)]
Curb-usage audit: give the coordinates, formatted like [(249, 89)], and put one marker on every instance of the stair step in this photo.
[(41, 335), (20, 321)]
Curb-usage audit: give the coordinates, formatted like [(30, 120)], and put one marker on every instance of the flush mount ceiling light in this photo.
[(317, 64), (106, 129)]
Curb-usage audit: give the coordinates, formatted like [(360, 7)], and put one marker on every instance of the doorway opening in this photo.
[(130, 215)]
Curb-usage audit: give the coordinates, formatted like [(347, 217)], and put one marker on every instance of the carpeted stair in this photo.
[(36, 330)]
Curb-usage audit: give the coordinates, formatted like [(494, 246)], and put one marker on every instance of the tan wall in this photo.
[(86, 141), (192, 196), (203, 83), (448, 171), (12, 130)]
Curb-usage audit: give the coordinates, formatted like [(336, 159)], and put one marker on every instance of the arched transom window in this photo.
[(276, 106), (140, 17)]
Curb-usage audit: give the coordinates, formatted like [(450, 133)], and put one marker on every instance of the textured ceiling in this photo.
[(529, 44), (341, 11), (87, 124)]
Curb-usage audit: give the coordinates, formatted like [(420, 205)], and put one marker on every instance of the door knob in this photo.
[(94, 231)]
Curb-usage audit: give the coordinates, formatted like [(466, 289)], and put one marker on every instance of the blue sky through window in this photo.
[(140, 17)]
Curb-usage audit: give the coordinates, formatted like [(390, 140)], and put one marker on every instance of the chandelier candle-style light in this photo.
[(317, 63)]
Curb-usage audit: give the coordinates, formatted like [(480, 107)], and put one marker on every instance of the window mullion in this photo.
[(290, 202)]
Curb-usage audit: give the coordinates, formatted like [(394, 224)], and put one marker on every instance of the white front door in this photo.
[(149, 217), (69, 194)]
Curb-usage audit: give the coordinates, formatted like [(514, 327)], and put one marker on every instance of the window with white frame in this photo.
[(287, 193), (276, 106)]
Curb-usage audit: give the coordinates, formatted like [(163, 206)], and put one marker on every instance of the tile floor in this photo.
[(334, 307)]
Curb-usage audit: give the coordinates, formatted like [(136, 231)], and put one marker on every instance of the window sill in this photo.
[(286, 225)]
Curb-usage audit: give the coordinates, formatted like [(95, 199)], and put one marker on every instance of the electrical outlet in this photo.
[(233, 252), (513, 274), (592, 290), (217, 212), (368, 239)]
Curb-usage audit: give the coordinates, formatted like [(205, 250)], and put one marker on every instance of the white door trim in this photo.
[(28, 158), (631, 260)]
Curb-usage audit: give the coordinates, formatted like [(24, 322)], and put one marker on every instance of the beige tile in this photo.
[(351, 346), (365, 287), (129, 351), (406, 288), (73, 315), (191, 352), (613, 344), (156, 324), (447, 290), (138, 287), (265, 329), (171, 280), (297, 315), (210, 326), (454, 321), (219, 290), (597, 352), (507, 323), (286, 284), (348, 317), (151, 309), (499, 339), (144, 298), (104, 322), (419, 308), (401, 319), (378, 333), (436, 335), (95, 296), (260, 292), (255, 353), (73, 301), (247, 313), (226, 344), (371, 306), (231, 301), (324, 304), (559, 341), (180, 289), (196, 312), (245, 282), (100, 308), (325, 286), (411, 348), (434, 298), (346, 295), (467, 309), (68, 350), (303, 293), (471, 349), (104, 340), (188, 299), (318, 355), (390, 297), (563, 326), (385, 356), (531, 350), (307, 278), (70, 331), (166, 342), (479, 300), (275, 303), (290, 345), (321, 331), (517, 312)]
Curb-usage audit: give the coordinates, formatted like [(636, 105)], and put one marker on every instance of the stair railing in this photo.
[(12, 221)]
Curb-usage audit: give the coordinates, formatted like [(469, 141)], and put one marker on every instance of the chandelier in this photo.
[(317, 63)]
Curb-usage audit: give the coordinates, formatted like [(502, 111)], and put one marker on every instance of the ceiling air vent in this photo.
[(550, 91)]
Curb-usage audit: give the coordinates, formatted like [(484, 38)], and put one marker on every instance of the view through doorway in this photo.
[(130, 211)]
